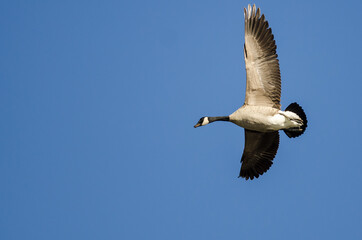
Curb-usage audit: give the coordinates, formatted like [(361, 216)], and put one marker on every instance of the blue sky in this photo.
[(98, 100)]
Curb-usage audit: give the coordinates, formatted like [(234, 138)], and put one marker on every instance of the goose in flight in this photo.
[(261, 115)]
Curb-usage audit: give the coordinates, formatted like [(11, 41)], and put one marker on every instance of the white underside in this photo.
[(264, 119), (284, 120)]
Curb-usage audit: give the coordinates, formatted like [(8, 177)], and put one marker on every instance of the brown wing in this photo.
[(259, 152), (263, 84)]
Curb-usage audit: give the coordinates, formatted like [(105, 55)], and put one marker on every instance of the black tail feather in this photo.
[(294, 107)]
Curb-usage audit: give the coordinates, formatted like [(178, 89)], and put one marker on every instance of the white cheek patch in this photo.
[(206, 121)]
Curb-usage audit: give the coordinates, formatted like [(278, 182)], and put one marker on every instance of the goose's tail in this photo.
[(295, 108)]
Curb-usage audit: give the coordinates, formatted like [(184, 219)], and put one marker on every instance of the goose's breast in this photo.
[(262, 119)]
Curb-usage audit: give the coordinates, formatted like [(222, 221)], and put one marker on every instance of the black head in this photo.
[(202, 122)]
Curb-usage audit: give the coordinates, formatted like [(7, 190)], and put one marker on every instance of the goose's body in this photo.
[(261, 115), (263, 119)]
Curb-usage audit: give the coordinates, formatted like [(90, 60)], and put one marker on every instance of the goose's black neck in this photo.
[(213, 119)]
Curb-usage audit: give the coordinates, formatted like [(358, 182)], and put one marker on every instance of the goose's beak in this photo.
[(197, 125)]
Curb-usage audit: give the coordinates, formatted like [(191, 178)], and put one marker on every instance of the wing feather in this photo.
[(263, 82), (259, 152)]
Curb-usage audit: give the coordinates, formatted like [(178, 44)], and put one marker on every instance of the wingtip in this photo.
[(257, 13), (252, 11)]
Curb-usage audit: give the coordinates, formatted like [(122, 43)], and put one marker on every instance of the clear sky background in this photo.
[(98, 100)]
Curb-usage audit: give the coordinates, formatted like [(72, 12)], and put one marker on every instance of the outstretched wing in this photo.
[(259, 152), (263, 84)]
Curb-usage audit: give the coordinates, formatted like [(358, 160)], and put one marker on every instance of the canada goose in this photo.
[(260, 115)]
